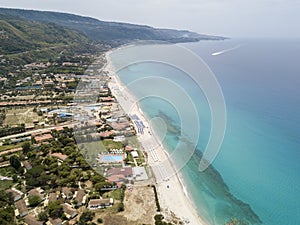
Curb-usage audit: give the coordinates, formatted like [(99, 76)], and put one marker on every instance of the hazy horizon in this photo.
[(233, 18)]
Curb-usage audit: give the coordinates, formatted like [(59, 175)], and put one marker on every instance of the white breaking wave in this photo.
[(226, 50)]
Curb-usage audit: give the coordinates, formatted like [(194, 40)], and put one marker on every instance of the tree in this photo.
[(120, 207), (100, 185), (86, 216), (42, 216), (15, 178), (15, 162), (7, 213), (34, 200), (99, 220), (26, 147), (55, 209), (159, 220), (7, 216), (55, 118), (97, 178)]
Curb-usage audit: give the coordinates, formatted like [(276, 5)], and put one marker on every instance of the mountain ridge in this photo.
[(18, 35), (112, 33)]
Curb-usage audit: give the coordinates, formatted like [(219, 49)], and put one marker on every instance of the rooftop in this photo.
[(31, 220), (43, 137), (59, 155), (21, 206)]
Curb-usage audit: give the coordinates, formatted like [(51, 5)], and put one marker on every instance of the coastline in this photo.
[(173, 196)]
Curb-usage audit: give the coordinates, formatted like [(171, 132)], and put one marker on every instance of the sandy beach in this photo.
[(172, 195)]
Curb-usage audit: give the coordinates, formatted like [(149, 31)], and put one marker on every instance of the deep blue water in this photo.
[(255, 176)]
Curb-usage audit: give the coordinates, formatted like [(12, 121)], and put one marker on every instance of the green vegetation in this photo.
[(43, 216), (7, 213), (23, 35), (8, 147), (15, 162), (156, 198), (86, 217), (159, 220), (111, 33), (8, 171), (110, 144), (18, 116), (100, 185), (4, 131), (26, 147), (120, 207), (55, 209), (2, 116), (5, 184), (34, 200), (115, 194), (24, 41)]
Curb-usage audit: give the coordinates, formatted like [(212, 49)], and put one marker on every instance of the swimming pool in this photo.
[(110, 158)]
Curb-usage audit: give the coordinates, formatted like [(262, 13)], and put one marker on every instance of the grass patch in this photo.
[(90, 150), (17, 116), (141, 158), (7, 171), (130, 158), (5, 184), (115, 194), (8, 147), (133, 141), (110, 144)]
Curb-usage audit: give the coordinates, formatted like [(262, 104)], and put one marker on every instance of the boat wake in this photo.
[(225, 51)]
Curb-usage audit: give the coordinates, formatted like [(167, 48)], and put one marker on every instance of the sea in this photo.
[(255, 177)]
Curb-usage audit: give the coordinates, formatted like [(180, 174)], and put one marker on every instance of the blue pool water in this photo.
[(112, 158)]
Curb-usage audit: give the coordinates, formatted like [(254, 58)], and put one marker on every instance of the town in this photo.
[(68, 158)]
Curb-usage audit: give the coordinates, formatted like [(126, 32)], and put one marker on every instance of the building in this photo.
[(67, 193), (36, 192), (59, 156), (129, 148), (119, 126), (31, 220), (69, 211), (56, 221), (27, 165), (52, 197), (80, 197), (21, 209), (119, 138), (135, 154), (43, 137), (106, 134), (125, 171), (106, 99), (139, 173), (119, 175), (17, 195), (4, 164), (100, 203)]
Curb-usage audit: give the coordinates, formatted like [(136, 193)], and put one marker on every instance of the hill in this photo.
[(18, 36), (112, 33)]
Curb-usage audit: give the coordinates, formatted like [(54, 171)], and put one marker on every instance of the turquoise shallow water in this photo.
[(255, 176)]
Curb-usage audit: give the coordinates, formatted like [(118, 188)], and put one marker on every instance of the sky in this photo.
[(230, 18)]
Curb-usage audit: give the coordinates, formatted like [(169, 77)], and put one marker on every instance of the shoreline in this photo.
[(173, 196)]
